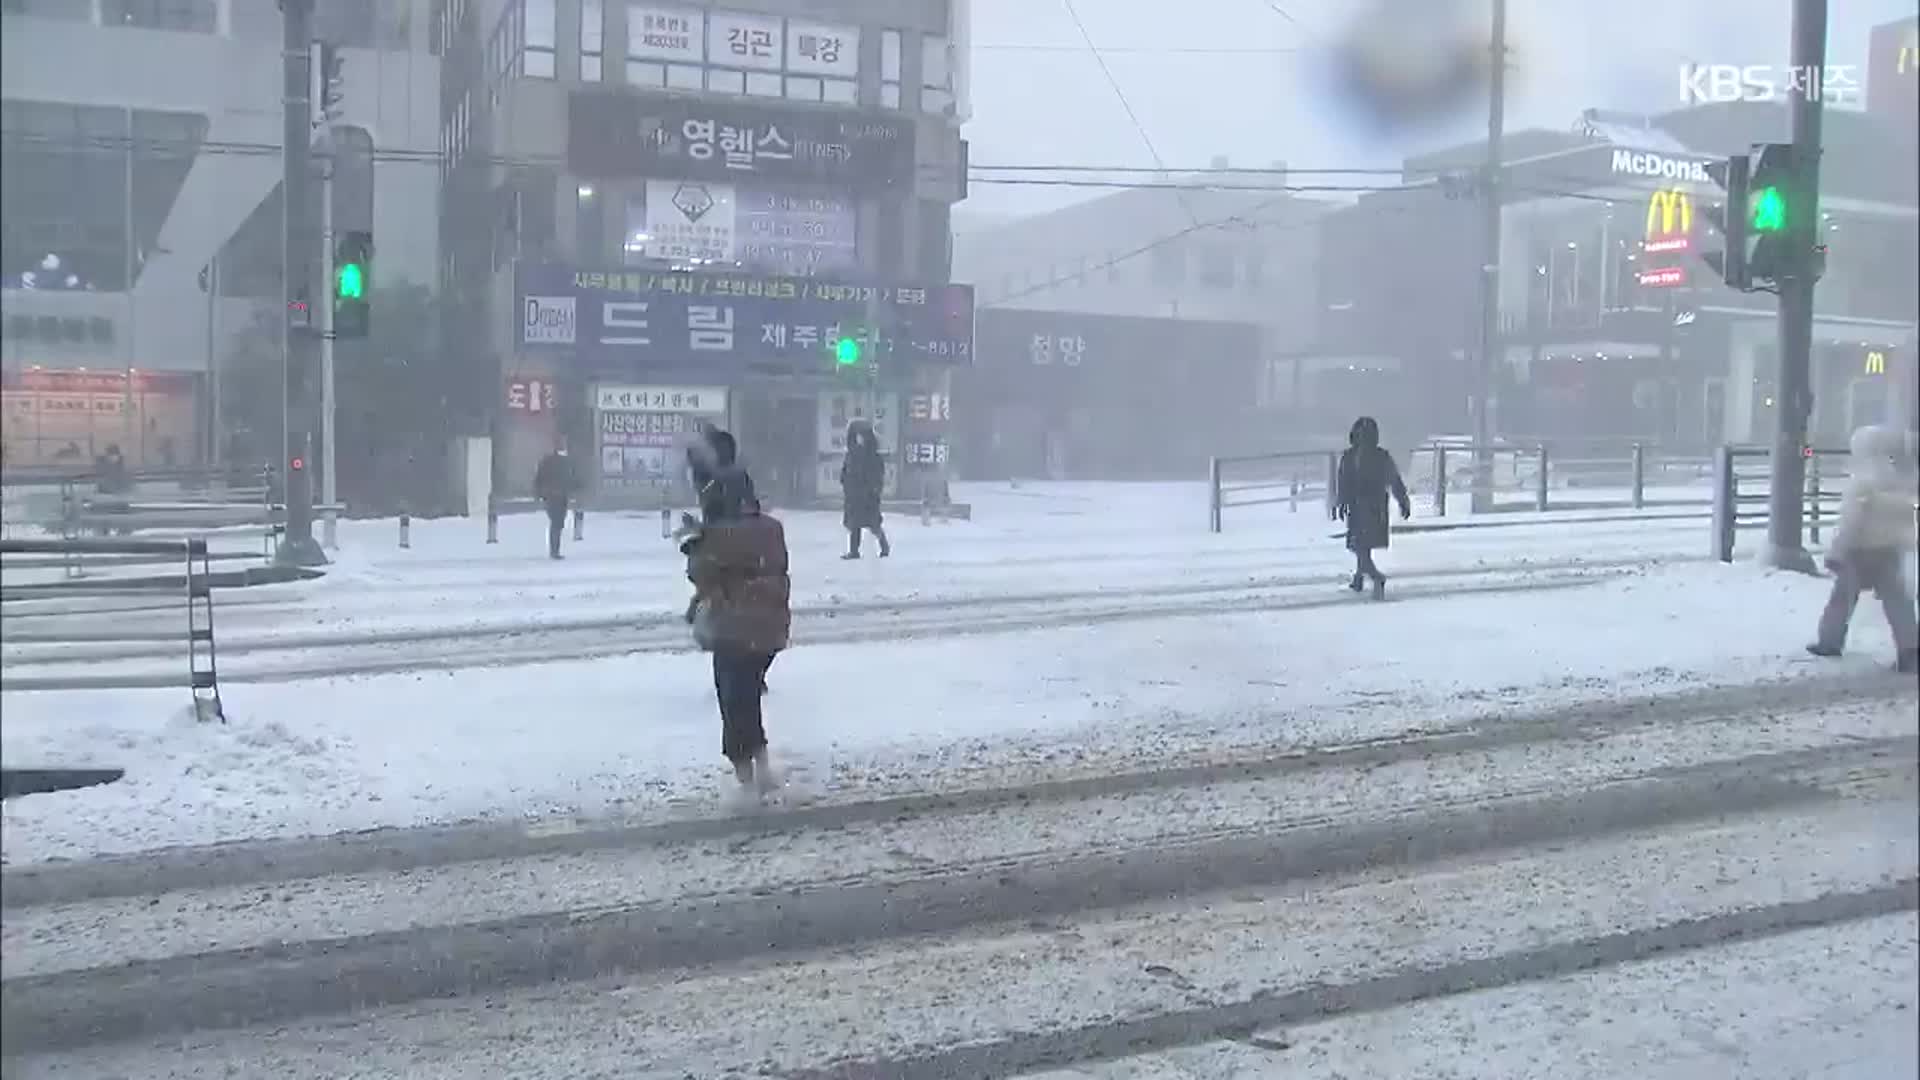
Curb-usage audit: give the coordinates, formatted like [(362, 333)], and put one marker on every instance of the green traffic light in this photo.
[(846, 351), (1769, 210), (352, 283)]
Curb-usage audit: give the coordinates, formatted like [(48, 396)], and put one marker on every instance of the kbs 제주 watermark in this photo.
[(1834, 84)]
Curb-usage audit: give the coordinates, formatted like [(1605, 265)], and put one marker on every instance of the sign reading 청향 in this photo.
[(634, 322), (615, 135)]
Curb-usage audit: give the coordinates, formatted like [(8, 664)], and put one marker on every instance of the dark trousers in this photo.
[(737, 678), (1363, 566), (556, 524)]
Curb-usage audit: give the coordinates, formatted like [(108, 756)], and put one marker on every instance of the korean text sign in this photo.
[(617, 134), (633, 322)]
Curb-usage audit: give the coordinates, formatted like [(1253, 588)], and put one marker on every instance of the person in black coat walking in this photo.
[(1367, 475), (555, 482), (862, 478)]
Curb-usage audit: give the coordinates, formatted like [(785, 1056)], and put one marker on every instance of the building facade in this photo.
[(141, 220), (1610, 325), (659, 215), (1204, 292)]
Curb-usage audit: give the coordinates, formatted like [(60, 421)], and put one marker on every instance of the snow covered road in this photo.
[(291, 655), (1013, 930)]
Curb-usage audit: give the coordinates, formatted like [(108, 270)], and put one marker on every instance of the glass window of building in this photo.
[(193, 16), (540, 38), (592, 31)]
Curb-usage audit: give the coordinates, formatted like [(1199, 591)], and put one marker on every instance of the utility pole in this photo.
[(1786, 546), (1490, 263), (297, 547)]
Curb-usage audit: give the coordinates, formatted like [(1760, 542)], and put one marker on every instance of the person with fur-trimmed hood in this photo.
[(1870, 547), (1367, 475), (741, 611), (863, 478)]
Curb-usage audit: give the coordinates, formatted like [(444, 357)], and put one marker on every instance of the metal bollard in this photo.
[(1540, 496), (406, 530), (1213, 495), (1293, 495), (926, 511), (579, 524), (1639, 476), (666, 523), (1439, 481)]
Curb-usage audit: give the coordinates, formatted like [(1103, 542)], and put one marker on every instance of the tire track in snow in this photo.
[(292, 658)]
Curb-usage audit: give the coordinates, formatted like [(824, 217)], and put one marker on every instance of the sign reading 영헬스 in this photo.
[(619, 135), (634, 322)]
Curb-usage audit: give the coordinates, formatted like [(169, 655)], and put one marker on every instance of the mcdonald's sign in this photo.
[(1669, 221), (1876, 362)]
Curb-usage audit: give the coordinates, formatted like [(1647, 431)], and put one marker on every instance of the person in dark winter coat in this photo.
[(1367, 475), (719, 482), (863, 476), (742, 615), (554, 484), (724, 489)]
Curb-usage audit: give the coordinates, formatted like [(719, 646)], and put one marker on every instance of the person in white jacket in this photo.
[(1869, 550)]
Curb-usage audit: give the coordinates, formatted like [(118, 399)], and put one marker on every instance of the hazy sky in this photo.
[(1039, 96)]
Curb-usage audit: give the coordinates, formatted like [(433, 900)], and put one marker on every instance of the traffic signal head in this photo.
[(1768, 210), (846, 351), (1774, 209), (352, 283), (1730, 218)]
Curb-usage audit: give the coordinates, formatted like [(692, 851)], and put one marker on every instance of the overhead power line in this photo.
[(1145, 138), (1151, 50)]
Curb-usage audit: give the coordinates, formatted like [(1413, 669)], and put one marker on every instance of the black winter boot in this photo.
[(1909, 662)]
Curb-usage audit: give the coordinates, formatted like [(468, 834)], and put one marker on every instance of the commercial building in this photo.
[(1135, 333), (141, 213), (1611, 326), (657, 215)]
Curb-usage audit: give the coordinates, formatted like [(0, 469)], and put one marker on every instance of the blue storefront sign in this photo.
[(636, 322)]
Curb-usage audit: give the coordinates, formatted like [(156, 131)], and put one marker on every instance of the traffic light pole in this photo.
[(1786, 545), (297, 547), (329, 518), (1490, 263)]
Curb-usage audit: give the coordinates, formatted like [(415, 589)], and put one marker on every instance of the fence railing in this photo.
[(1736, 489), (1521, 478), (56, 614)]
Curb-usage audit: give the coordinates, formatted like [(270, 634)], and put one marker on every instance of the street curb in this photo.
[(16, 782), (223, 579)]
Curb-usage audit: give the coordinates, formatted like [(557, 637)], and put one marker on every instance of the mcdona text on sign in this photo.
[(1659, 166)]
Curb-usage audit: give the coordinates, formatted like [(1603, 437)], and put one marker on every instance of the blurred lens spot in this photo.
[(1413, 63)]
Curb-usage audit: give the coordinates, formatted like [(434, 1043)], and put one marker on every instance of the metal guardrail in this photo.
[(1826, 472), (81, 616), (1433, 471)]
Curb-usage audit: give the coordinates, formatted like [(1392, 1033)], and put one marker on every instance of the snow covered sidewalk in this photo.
[(637, 737)]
